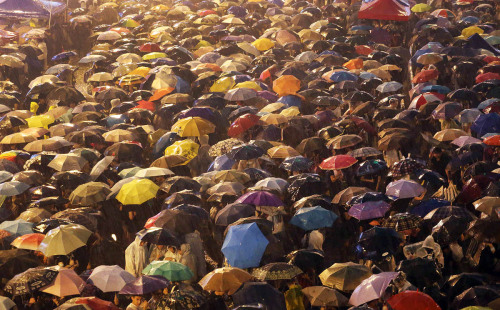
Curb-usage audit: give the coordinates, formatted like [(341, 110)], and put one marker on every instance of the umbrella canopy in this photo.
[(321, 296), (89, 193), (372, 288), (404, 189), (67, 162), (170, 270), (17, 227), (144, 285), (311, 218), (412, 301), (110, 278), (338, 162), (193, 127), (137, 192), (369, 210), (259, 292), (93, 303), (244, 245), (64, 239), (224, 280), (30, 281), (344, 276), (28, 241), (66, 283), (276, 271)]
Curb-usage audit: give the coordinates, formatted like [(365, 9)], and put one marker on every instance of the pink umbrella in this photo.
[(464, 140), (404, 189), (372, 288), (67, 283)]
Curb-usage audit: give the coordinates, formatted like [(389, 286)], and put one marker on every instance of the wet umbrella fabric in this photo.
[(311, 218), (110, 278), (244, 245), (259, 292)]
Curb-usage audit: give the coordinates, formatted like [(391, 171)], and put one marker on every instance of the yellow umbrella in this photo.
[(344, 276), (273, 107), (64, 239), (263, 44), (202, 43), (291, 111), (248, 84), (282, 151), (286, 85), (274, 119), (40, 121), (153, 55), (467, 32), (193, 127), (222, 85), (187, 148), (137, 192), (421, 7), (142, 71)]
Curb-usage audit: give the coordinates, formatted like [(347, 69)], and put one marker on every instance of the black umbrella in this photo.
[(246, 152), (64, 95), (179, 183), (421, 272), (297, 163), (159, 236), (458, 283), (185, 196), (47, 225), (259, 292), (475, 296), (375, 243), (305, 184), (449, 230), (306, 259), (30, 281), (233, 212), (15, 261)]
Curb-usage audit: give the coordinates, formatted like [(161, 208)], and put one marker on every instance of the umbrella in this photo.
[(30, 281), (286, 85), (153, 172), (369, 210), (344, 276), (372, 288), (93, 303), (245, 152), (311, 218), (487, 204), (144, 285), (420, 271), (402, 221), (170, 270), (475, 296), (297, 163), (377, 242), (404, 189), (371, 167), (89, 193), (344, 196), (67, 162), (344, 141), (409, 300), (193, 127), (64, 239), (244, 245), (259, 292), (28, 241), (66, 283), (321, 296), (160, 236), (486, 123), (443, 212), (365, 152), (184, 299), (13, 188), (6, 303), (110, 278), (17, 227), (338, 162), (187, 148), (242, 124), (264, 201), (224, 280), (276, 271), (137, 192), (233, 212), (34, 215), (449, 134), (282, 151)]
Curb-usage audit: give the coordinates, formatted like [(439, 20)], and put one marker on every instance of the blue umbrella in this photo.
[(165, 141), (244, 245), (486, 123), (182, 86), (291, 100), (340, 76), (311, 218), (222, 163), (427, 206), (64, 55), (370, 167), (483, 105), (367, 75), (116, 119), (17, 227), (436, 89)]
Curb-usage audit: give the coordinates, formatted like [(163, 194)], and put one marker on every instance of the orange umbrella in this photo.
[(160, 93), (354, 64), (28, 242), (363, 50), (425, 76), (286, 85), (493, 140)]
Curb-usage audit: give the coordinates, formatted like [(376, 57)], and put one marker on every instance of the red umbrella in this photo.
[(206, 12), (242, 124), (148, 105), (493, 140), (338, 162), (425, 76), (93, 303), (150, 47), (363, 50), (412, 300), (487, 76), (425, 98)]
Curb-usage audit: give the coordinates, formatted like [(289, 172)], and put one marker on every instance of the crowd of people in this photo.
[(251, 155)]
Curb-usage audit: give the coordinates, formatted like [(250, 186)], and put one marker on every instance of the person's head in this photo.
[(136, 300), (436, 152)]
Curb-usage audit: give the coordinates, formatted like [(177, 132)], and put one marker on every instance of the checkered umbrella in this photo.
[(370, 167), (365, 152), (443, 212), (402, 221), (405, 166)]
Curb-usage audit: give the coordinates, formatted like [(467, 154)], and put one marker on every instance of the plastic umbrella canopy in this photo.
[(311, 218), (259, 292), (260, 199), (369, 210), (344, 276), (28, 241), (170, 270), (411, 300), (404, 189), (244, 245), (224, 280), (220, 163), (144, 285), (64, 239), (372, 288), (137, 192), (17, 227), (110, 278), (66, 283)]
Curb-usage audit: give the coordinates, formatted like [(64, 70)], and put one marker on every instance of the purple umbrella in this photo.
[(447, 110), (237, 11), (404, 189), (380, 36), (269, 96), (144, 285), (242, 78), (372, 288), (260, 199), (232, 38), (210, 57), (203, 112), (369, 210)]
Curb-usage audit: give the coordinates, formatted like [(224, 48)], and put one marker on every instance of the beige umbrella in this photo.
[(101, 77), (51, 144), (169, 161), (449, 134), (11, 61), (89, 193), (344, 276), (274, 119), (226, 187), (67, 162), (231, 176), (282, 151), (224, 280), (487, 205), (17, 138), (36, 132), (119, 135), (48, 78), (341, 142), (153, 172), (64, 239), (34, 215), (128, 58)]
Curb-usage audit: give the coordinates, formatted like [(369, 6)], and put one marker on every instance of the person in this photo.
[(137, 303), (136, 257), (189, 259), (438, 161)]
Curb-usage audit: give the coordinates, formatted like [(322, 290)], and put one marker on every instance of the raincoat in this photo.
[(136, 257), (189, 259), (294, 298)]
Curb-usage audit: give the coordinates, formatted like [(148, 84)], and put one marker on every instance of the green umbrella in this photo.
[(64, 239), (172, 271)]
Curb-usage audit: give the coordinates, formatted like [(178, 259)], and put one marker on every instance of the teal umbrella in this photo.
[(172, 271), (17, 227)]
